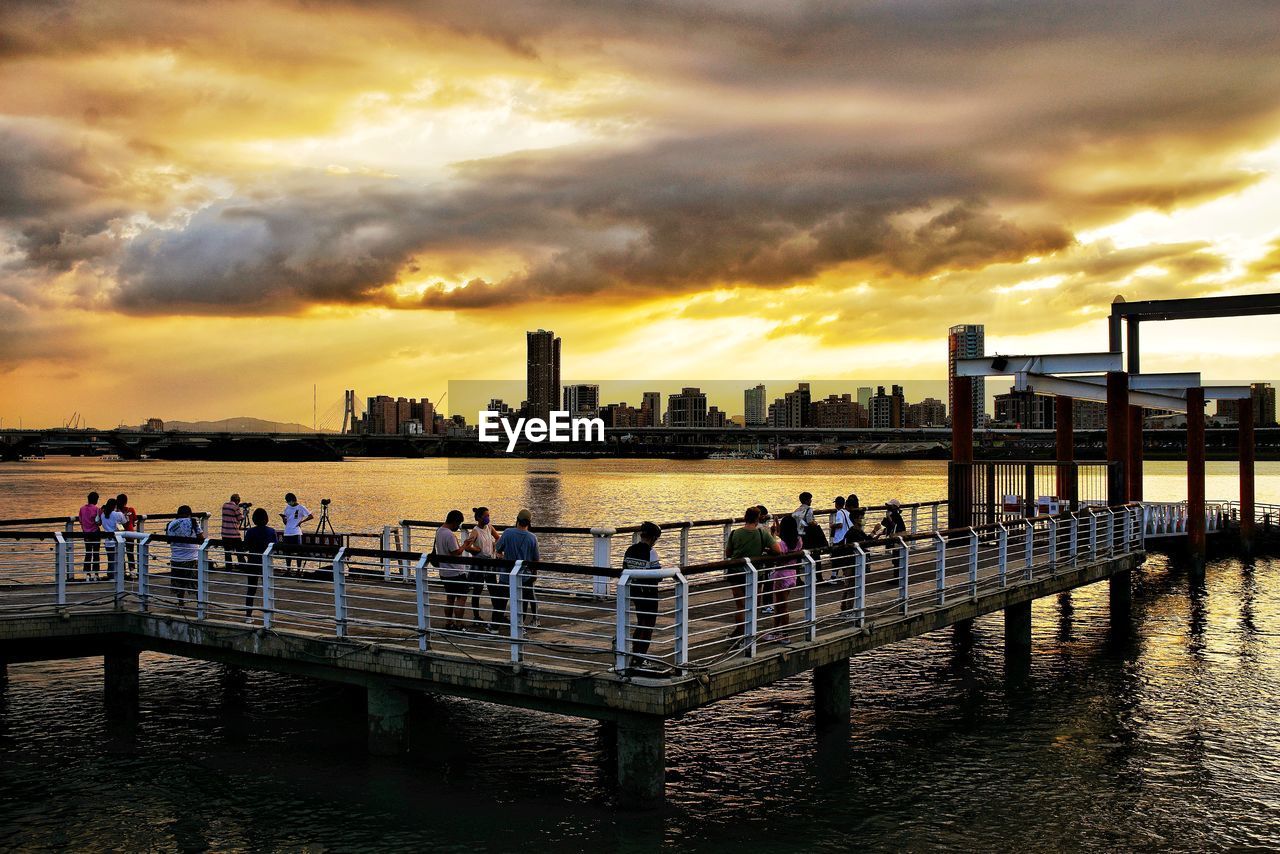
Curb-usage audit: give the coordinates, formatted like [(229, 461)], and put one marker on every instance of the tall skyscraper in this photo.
[(753, 406), (582, 399), (543, 376), (650, 414), (887, 410), (968, 341), (687, 409)]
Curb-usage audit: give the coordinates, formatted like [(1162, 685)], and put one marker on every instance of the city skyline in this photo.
[(191, 197)]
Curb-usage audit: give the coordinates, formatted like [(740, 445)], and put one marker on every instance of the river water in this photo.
[(1167, 738)]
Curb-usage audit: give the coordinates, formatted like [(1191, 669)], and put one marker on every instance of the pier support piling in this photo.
[(642, 760), (962, 634), (1120, 599), (1017, 640), (831, 694), (1246, 441), (388, 710), (120, 682), (1195, 480)]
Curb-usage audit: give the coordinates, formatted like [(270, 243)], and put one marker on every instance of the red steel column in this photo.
[(1195, 477), (960, 504), (1134, 471), (1246, 474), (1065, 442), (1117, 435)]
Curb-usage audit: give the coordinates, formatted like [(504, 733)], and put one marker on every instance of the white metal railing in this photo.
[(551, 614)]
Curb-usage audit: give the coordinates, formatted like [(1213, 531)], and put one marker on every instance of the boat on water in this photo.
[(740, 455)]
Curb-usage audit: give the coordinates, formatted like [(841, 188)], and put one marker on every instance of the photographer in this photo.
[(233, 529)]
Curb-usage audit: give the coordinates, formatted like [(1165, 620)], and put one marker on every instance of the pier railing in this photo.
[(551, 614)]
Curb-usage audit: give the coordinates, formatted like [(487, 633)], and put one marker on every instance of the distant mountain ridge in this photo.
[(239, 425)]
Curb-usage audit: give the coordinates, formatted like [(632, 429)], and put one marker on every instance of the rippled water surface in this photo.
[(1167, 738)]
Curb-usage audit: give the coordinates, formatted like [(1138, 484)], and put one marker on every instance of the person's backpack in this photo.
[(814, 537)]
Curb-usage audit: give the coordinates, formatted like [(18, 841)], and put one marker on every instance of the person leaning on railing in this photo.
[(749, 541), (644, 591), (183, 555), (256, 541), (519, 543)]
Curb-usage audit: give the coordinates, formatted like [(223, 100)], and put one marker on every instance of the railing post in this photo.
[(601, 556), (404, 547), (1142, 530), (935, 516), (1073, 541), (728, 531), (60, 553), (1111, 534), (1093, 535), (268, 586), (117, 568), (340, 593), (860, 585), (202, 580), (515, 606), (1030, 548), (623, 615), (384, 543), (940, 564), (750, 621), (684, 545), (1002, 559), (904, 570), (420, 595), (682, 618), (144, 568), (810, 596), (915, 510), (1053, 544), (973, 564)]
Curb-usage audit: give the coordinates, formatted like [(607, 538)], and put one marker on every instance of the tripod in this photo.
[(324, 526)]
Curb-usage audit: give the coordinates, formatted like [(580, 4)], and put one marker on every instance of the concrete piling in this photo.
[(1017, 640), (388, 713), (120, 682), (831, 693), (642, 760)]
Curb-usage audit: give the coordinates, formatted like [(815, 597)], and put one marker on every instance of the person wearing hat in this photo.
[(519, 543), (892, 524)]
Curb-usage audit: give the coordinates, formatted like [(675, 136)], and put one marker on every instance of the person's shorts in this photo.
[(184, 574), (458, 585)]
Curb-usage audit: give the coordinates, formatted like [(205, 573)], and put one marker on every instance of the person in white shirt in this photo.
[(183, 555), (840, 523), (110, 520), (294, 517)]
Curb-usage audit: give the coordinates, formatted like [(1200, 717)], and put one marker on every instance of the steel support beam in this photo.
[(1053, 363), (1133, 473), (1195, 478), (1086, 389), (960, 488), (1246, 474), (1117, 434), (1065, 446)]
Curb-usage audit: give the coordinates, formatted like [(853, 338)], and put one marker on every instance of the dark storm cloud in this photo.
[(773, 142)]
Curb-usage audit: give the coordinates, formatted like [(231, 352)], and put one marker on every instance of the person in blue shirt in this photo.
[(519, 543)]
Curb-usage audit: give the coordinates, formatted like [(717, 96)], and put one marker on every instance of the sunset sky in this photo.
[(205, 208)]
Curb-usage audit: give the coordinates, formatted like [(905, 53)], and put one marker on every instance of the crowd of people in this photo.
[(245, 537)]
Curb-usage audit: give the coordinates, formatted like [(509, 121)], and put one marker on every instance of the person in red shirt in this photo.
[(130, 524)]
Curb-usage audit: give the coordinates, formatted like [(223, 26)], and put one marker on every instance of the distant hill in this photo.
[(238, 425)]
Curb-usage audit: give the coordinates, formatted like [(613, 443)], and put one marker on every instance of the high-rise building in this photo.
[(864, 397), (499, 406), (887, 410), (1025, 409), (753, 407), (1264, 406), (716, 418), (793, 409), (836, 411), (615, 415), (582, 400), (650, 414), (968, 341), (1088, 415), (390, 415), (687, 409), (543, 373), (929, 412)]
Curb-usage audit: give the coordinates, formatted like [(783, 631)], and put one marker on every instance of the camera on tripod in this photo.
[(325, 502)]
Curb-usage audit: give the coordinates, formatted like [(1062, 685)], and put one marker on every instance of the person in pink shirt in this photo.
[(89, 524)]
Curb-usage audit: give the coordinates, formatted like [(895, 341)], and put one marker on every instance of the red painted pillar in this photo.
[(1134, 472), (1065, 441), (960, 489), (1117, 436), (1120, 585), (1246, 475), (1195, 477)]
